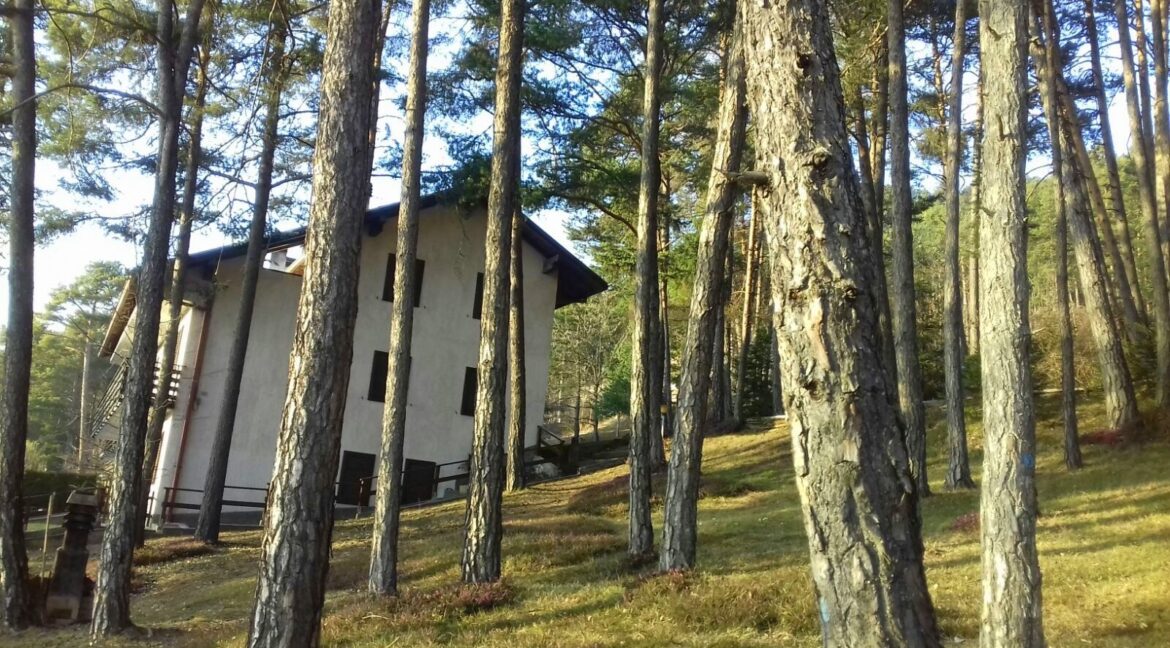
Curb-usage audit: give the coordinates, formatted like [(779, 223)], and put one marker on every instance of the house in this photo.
[(444, 354)]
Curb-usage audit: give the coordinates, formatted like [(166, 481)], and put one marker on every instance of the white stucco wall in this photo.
[(445, 343)]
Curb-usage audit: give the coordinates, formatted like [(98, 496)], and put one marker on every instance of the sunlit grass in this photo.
[(1104, 542)]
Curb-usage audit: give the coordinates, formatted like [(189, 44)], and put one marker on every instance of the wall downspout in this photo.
[(195, 376)]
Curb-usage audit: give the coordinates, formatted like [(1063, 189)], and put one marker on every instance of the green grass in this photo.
[(1104, 548)]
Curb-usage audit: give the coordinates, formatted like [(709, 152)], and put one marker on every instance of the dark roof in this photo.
[(576, 281)]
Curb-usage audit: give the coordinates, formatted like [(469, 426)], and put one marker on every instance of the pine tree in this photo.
[(1011, 573), (643, 395), (15, 600), (294, 556), (383, 577), (680, 511), (904, 313), (484, 526), (852, 470)]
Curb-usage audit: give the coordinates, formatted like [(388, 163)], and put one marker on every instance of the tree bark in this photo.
[(175, 300), (485, 528), (750, 282), (1121, 409), (207, 527), (83, 411), (1161, 116), (958, 466), (680, 510), (1160, 300), (18, 334), (777, 391), (644, 399), (294, 556), (1121, 289), (902, 302), (516, 371), (111, 612), (972, 303), (1120, 401), (852, 472), (667, 350), (876, 220), (1011, 573), (662, 384), (1116, 201), (383, 574), (1061, 171)]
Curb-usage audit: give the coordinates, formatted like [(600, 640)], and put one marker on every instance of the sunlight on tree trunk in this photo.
[(383, 574), (1011, 573), (851, 466), (485, 526), (294, 556), (680, 511), (644, 398)]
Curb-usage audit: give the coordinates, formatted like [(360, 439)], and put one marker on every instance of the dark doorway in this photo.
[(355, 466), (418, 481)]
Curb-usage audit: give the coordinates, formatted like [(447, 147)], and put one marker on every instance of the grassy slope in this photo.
[(1104, 542)]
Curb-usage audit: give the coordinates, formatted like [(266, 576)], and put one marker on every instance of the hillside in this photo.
[(1104, 543)]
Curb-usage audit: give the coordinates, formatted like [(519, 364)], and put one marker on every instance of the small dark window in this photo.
[(388, 281), (470, 385), (477, 306), (378, 370)]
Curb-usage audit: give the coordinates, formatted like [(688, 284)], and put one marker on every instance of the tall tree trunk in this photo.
[(294, 556), (972, 303), (211, 508), (864, 154), (750, 282), (83, 411), (852, 473), (777, 391), (1011, 573), (644, 399), (1120, 401), (485, 527), (386, 9), (875, 223), (881, 131), (1068, 381), (111, 612), (1121, 289), (1143, 85), (902, 301), (18, 334), (680, 510), (1121, 409), (516, 371), (175, 300), (1160, 301), (667, 351), (383, 574), (1061, 171), (958, 466), (1116, 200), (725, 328), (666, 425), (1161, 116)]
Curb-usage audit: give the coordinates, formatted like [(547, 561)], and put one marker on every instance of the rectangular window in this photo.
[(477, 305), (470, 385), (378, 369), (388, 280)]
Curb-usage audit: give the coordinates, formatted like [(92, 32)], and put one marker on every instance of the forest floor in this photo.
[(1104, 543)]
